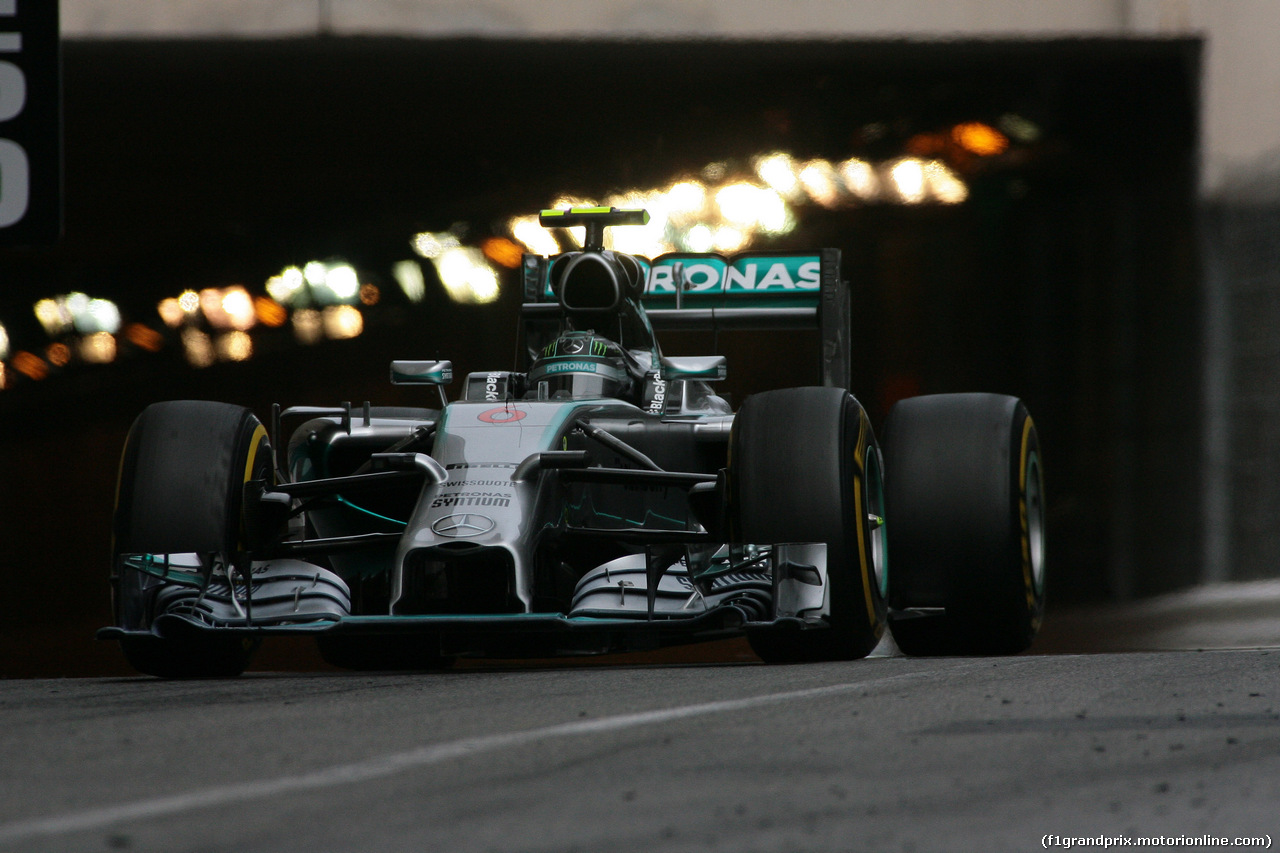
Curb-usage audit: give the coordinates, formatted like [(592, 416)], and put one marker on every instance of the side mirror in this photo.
[(421, 372), (709, 368)]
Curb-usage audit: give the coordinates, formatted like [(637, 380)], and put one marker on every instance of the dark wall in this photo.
[(1068, 278), (1242, 234)]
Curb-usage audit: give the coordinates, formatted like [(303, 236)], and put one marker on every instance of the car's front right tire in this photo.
[(181, 491)]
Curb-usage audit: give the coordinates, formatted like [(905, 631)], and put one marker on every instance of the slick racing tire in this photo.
[(180, 491), (804, 467), (200, 656), (964, 500)]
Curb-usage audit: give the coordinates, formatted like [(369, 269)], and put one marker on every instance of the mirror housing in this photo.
[(709, 368), (408, 372)]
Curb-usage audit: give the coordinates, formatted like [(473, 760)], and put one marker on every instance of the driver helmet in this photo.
[(580, 364)]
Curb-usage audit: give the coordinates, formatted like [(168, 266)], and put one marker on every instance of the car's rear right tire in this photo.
[(965, 518)]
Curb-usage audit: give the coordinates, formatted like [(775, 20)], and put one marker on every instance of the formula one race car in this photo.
[(602, 498)]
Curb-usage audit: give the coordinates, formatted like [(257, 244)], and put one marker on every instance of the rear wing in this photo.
[(755, 291)]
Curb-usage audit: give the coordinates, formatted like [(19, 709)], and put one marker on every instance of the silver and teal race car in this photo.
[(599, 498)]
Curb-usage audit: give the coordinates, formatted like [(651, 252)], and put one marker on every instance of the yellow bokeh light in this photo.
[(534, 237), (728, 239), (171, 312), (734, 202), (740, 202), (907, 175), (342, 281), (687, 197), (716, 171), (780, 173), (720, 210), (466, 275), (566, 201), (143, 337), (211, 307), (431, 246), (29, 365), (53, 316), (314, 272), (197, 348), (775, 216), (979, 138), (284, 288), (98, 348), (820, 182), (943, 183), (699, 239), (408, 274), (485, 287), (76, 310), (58, 354), (342, 322), (648, 239), (502, 251), (307, 328), (235, 346), (269, 312), (237, 306), (860, 178)]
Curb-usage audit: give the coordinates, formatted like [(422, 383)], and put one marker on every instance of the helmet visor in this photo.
[(576, 377)]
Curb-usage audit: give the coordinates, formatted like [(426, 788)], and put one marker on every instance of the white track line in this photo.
[(388, 765)]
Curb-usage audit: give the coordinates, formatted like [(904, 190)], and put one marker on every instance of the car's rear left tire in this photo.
[(804, 467), (180, 491)]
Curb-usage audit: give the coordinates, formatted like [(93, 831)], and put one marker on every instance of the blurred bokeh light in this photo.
[(727, 206)]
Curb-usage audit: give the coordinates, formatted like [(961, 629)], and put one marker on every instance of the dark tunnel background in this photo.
[(1069, 277)]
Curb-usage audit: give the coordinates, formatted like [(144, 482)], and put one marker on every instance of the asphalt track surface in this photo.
[(889, 753)]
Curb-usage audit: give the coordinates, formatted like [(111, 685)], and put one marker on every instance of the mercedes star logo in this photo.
[(458, 526), (573, 346)]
